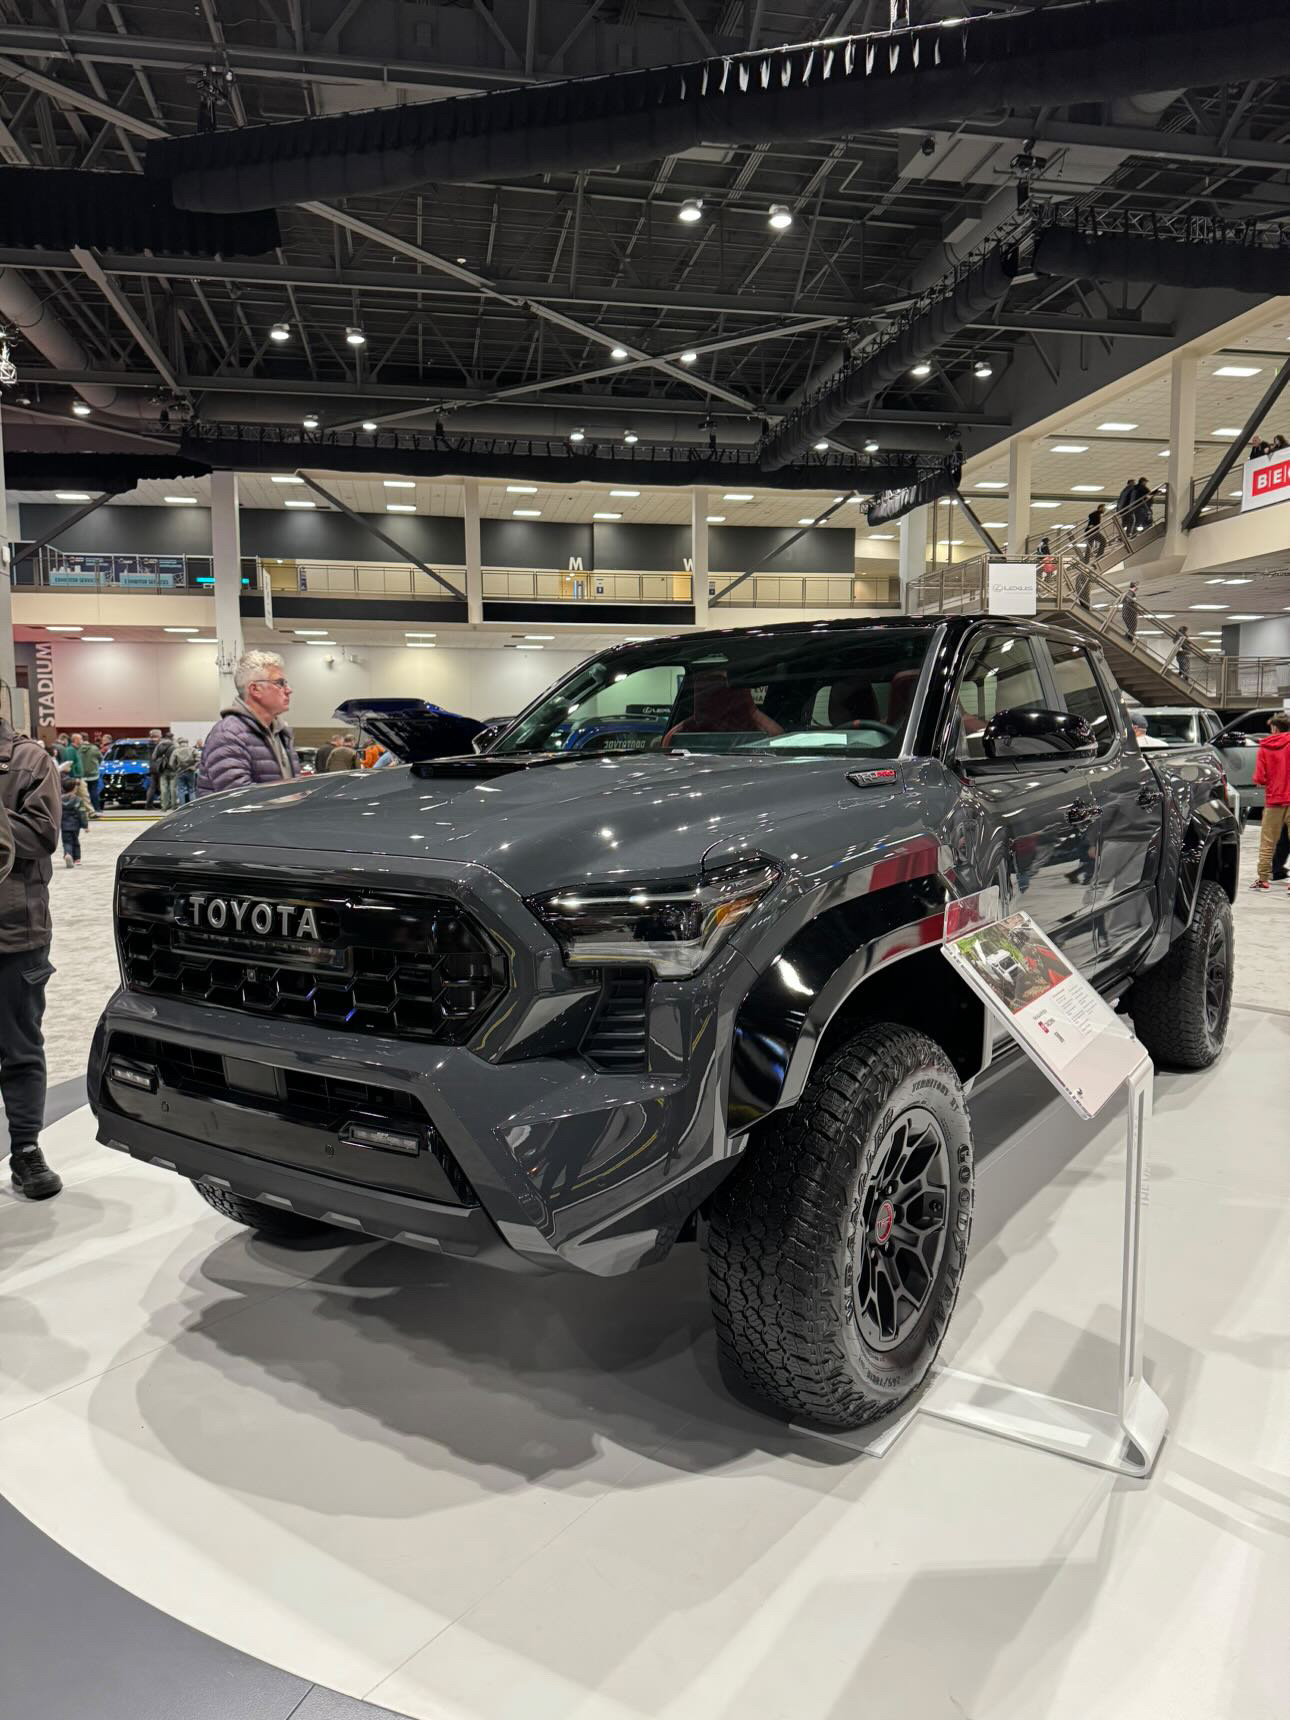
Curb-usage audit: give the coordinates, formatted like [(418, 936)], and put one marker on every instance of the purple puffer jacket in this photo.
[(237, 753)]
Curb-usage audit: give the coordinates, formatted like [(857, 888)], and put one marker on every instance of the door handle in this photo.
[(1081, 812), (1150, 796)]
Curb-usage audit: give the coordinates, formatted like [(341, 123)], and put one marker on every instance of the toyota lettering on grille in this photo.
[(243, 914)]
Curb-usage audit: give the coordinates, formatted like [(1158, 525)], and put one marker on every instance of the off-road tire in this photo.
[(785, 1234), (1172, 1005), (258, 1216)]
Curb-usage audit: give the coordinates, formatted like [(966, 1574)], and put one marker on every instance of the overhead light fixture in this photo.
[(995, 525), (689, 358), (280, 332), (991, 484), (80, 409), (311, 423), (1245, 618), (1239, 370), (922, 368), (71, 495), (180, 501), (1116, 424), (1069, 448), (606, 516), (620, 352), (737, 496), (715, 519), (310, 632), (96, 639), (1087, 489), (369, 424), (530, 647), (882, 537), (526, 513), (461, 261), (202, 641), (631, 438), (1227, 432), (181, 630), (1214, 606), (400, 507), (780, 217), (317, 641), (691, 210), (51, 628), (807, 520), (871, 447), (577, 435), (408, 635), (981, 370), (355, 337), (284, 478), (1045, 504), (399, 483), (420, 645), (624, 495), (1163, 454), (1235, 495), (539, 638), (821, 447), (1240, 582), (290, 504), (521, 489)]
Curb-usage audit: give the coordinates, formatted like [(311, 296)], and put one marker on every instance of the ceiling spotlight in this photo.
[(871, 447), (311, 423), (369, 424), (689, 358), (280, 332), (821, 447), (780, 217), (922, 368), (80, 409), (355, 337), (691, 210), (620, 352), (461, 261), (981, 370), (631, 438), (577, 436)]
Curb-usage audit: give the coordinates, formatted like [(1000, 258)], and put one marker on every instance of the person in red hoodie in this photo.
[(1272, 772)]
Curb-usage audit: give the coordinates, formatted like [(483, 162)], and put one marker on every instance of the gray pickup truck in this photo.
[(563, 1006)]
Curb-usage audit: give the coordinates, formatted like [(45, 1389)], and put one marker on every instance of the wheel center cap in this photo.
[(883, 1222)]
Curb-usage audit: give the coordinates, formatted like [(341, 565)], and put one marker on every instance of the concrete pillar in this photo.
[(226, 554), (474, 553), (1182, 446), (1020, 450), (8, 664), (913, 553), (699, 555)]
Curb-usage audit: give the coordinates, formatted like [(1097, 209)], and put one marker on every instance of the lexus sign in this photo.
[(1266, 480)]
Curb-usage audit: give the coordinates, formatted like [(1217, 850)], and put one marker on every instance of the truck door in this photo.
[(1042, 810), (1131, 802)]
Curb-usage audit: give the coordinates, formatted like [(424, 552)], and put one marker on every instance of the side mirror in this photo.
[(486, 736), (1232, 738), (1029, 733)]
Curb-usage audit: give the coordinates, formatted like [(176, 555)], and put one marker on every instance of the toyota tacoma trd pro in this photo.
[(572, 1000)]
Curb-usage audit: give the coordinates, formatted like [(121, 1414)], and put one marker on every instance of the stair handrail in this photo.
[(1115, 525)]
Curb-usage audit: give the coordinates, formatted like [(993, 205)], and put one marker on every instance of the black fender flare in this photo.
[(1200, 843), (787, 1011)]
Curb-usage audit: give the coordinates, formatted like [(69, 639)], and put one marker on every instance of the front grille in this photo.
[(618, 1039), (408, 966), (324, 1102)]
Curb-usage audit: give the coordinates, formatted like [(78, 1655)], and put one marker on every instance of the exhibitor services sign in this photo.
[(1266, 480)]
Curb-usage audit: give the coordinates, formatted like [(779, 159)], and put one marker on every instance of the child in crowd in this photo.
[(75, 816)]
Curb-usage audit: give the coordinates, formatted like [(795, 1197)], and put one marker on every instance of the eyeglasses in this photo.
[(285, 685)]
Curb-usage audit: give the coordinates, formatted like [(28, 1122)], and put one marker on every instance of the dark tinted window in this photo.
[(1001, 674), (1081, 693), (1174, 728), (132, 750), (782, 693)]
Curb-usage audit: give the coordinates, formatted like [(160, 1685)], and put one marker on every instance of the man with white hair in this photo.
[(251, 742)]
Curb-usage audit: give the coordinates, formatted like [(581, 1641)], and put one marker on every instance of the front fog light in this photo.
[(672, 926)]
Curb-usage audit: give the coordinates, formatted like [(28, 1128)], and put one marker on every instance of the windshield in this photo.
[(1174, 728), (782, 694), (133, 750)]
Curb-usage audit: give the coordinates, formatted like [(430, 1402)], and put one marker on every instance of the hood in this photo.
[(558, 821), (410, 728)]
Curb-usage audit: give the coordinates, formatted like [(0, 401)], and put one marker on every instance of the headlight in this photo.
[(672, 926)]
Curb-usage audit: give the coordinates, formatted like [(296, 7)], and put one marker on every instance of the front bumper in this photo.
[(551, 1163)]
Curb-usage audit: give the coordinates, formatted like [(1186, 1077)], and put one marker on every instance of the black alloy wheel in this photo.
[(1218, 973), (1181, 1007), (901, 1222)]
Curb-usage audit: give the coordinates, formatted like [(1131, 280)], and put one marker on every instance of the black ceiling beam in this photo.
[(1182, 146)]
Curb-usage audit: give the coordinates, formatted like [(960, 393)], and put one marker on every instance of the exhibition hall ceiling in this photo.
[(743, 272)]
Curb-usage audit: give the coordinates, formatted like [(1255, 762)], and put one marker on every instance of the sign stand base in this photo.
[(1126, 1439)]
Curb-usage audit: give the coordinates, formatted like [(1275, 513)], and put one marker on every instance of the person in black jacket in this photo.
[(1129, 609)]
